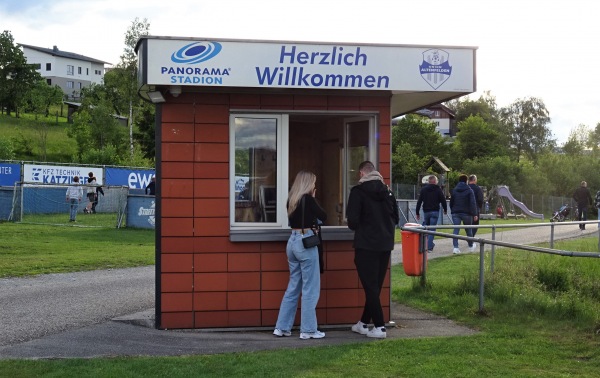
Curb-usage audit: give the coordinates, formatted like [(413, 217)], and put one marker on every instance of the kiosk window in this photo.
[(267, 151)]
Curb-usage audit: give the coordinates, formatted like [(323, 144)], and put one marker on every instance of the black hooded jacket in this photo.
[(431, 196), (373, 215), (463, 200)]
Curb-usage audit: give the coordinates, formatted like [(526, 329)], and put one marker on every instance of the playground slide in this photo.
[(504, 192)]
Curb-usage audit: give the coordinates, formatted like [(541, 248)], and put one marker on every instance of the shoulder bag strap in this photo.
[(302, 225)]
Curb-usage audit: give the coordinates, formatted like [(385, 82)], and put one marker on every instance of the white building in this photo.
[(70, 71)]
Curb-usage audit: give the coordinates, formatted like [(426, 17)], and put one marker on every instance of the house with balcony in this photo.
[(71, 71), (442, 116)]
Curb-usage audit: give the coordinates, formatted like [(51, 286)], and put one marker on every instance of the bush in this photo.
[(6, 149)]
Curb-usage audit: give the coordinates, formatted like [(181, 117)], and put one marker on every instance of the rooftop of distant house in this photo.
[(64, 54)]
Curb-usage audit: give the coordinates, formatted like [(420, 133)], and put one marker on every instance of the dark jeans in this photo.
[(467, 220), (431, 219), (475, 223), (582, 215), (372, 267)]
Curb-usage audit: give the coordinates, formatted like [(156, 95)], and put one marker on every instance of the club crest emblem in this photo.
[(435, 68)]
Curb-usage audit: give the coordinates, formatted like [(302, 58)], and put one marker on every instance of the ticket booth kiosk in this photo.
[(235, 121)]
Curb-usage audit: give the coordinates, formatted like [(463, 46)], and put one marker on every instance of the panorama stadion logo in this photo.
[(435, 68), (196, 52)]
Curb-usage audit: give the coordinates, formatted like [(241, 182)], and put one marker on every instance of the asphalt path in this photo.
[(41, 311), (35, 307)]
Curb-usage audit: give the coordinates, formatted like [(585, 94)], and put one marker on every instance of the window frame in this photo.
[(70, 70), (282, 174), (279, 231)]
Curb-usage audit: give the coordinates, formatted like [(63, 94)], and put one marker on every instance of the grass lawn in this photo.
[(30, 249), (29, 136), (541, 319)]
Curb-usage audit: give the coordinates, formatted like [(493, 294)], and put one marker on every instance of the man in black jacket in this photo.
[(583, 198), (478, 200), (431, 196), (373, 215), (464, 209)]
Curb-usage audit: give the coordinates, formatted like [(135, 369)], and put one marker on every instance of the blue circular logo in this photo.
[(196, 52)]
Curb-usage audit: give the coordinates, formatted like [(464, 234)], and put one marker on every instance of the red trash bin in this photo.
[(412, 260)]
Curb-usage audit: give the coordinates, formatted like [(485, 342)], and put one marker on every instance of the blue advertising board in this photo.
[(132, 178), (9, 174), (140, 211)]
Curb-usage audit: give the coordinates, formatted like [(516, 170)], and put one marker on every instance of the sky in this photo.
[(525, 48)]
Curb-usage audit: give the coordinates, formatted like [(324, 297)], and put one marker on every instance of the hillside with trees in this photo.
[(32, 114), (503, 146)]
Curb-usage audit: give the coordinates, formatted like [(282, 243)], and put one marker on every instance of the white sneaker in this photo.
[(473, 248), (377, 332), (280, 333), (312, 335), (360, 328), (456, 251)]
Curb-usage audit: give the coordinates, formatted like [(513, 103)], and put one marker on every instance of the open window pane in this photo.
[(255, 169)]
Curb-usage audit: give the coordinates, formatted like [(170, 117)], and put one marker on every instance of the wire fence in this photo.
[(546, 205)]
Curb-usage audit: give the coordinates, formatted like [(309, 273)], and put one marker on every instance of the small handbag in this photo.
[(312, 240)]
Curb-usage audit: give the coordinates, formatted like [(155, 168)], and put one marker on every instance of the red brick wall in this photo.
[(206, 281)]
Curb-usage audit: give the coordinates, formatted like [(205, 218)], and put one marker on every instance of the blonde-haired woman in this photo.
[(303, 262)]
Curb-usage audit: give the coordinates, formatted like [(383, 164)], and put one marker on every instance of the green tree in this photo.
[(16, 76), (95, 126), (484, 107), (476, 139), (594, 138), (41, 96), (579, 139), (525, 122), (128, 71), (145, 135), (414, 142)]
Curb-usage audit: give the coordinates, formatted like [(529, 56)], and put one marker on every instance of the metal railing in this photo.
[(424, 231)]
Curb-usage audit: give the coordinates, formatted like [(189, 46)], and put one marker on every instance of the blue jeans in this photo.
[(430, 218), (467, 220), (74, 205), (304, 278)]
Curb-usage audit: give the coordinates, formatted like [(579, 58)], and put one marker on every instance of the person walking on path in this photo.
[(74, 195), (373, 215), (464, 209), (583, 197), (303, 211), (431, 197), (478, 201)]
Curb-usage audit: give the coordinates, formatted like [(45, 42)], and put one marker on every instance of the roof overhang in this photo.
[(413, 76)]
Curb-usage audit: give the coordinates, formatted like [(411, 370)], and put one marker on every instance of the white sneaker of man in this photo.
[(360, 328), (473, 248), (456, 251), (377, 332)]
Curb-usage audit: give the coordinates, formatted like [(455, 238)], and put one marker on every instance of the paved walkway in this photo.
[(134, 335)]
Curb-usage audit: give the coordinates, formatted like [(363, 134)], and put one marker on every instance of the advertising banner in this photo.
[(9, 174), (132, 178), (48, 174), (140, 212)]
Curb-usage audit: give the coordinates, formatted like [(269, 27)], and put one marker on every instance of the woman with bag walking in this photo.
[(303, 260)]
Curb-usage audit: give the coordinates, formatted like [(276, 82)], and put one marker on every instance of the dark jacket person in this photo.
[(464, 209), (373, 215)]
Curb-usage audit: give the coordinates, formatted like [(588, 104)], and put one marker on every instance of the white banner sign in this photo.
[(303, 65), (48, 174)]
